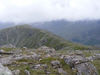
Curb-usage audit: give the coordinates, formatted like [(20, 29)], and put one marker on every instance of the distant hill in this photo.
[(27, 36), (6, 24), (84, 32)]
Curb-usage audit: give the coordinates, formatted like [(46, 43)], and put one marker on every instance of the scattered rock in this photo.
[(47, 49), (25, 48), (97, 56), (55, 64), (27, 72), (35, 56), (75, 59), (17, 51), (94, 57), (37, 66), (78, 52), (4, 70), (16, 72), (83, 66), (45, 66), (2, 51), (86, 69), (61, 71), (47, 55)]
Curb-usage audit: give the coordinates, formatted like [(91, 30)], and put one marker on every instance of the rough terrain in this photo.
[(48, 61)]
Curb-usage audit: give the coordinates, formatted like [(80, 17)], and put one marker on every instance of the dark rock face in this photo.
[(81, 64)]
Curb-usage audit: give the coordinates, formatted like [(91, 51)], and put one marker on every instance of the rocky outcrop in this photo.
[(47, 61), (94, 57), (55, 64), (81, 65), (4, 70)]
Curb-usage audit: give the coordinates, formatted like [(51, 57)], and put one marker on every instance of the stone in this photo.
[(90, 58), (16, 72), (45, 66), (35, 56), (4, 70), (47, 55), (6, 60), (78, 52), (81, 64), (47, 49), (55, 64), (94, 57), (61, 71), (2, 50), (17, 51), (74, 60), (97, 56), (25, 48), (37, 66), (27, 72), (86, 69)]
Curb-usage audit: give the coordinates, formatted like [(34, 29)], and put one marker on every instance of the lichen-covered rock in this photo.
[(81, 64), (4, 70)]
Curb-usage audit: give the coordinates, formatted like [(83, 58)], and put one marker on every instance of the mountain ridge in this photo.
[(84, 32), (30, 37)]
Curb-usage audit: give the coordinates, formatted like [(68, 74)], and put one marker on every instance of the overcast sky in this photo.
[(46, 10)]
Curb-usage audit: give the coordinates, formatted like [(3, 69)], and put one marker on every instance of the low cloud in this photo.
[(45, 10)]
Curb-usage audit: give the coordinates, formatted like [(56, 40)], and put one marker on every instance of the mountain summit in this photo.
[(27, 36)]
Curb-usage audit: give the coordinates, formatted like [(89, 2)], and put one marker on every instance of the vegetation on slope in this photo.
[(84, 32), (26, 36)]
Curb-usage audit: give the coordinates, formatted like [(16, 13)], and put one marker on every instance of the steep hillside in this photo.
[(84, 32), (26, 36)]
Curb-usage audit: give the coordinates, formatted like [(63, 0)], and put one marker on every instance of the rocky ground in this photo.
[(48, 61)]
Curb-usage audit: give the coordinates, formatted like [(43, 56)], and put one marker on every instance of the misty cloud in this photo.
[(46, 10)]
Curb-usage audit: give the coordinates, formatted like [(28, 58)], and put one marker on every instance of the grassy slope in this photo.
[(33, 38)]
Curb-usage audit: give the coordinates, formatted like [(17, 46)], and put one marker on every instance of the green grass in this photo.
[(97, 65), (26, 36), (7, 49)]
